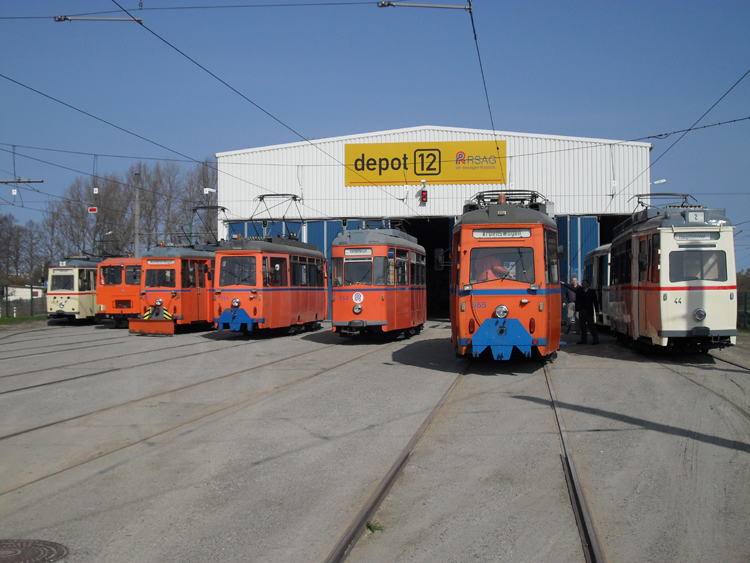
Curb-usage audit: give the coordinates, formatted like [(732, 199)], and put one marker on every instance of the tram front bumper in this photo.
[(233, 319), (501, 336)]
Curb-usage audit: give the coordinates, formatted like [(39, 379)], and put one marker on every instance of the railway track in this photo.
[(235, 404)]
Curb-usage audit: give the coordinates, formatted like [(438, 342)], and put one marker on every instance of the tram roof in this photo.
[(391, 237), (78, 263), (505, 213), (119, 260), (672, 216), (176, 252), (271, 244)]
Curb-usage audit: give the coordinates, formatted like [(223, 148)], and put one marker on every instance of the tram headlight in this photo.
[(62, 305), (699, 314), (158, 302), (501, 311), (235, 302), (357, 309)]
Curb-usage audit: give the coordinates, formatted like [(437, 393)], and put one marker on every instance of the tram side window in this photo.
[(402, 267), (654, 259), (690, 265), (160, 278), (337, 278), (421, 270), (553, 270), (111, 275), (277, 274), (642, 266), (133, 275), (237, 270), (299, 271), (380, 270)]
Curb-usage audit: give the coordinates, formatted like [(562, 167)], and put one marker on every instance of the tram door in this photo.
[(204, 304), (189, 302), (641, 294)]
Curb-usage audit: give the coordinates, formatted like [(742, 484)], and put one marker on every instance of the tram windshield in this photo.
[(111, 275), (505, 263), (691, 265), (160, 278), (62, 282), (358, 272), (361, 271), (237, 270)]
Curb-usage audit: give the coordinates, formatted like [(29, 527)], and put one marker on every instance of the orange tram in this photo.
[(379, 283), (269, 283), (118, 290), (175, 290), (505, 282)]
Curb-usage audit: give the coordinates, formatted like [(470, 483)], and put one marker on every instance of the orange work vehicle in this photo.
[(118, 290), (176, 290), (378, 283), (505, 282), (269, 282)]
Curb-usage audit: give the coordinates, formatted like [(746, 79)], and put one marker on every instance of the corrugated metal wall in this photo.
[(581, 177)]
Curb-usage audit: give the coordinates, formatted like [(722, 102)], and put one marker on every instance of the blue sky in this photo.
[(613, 70)]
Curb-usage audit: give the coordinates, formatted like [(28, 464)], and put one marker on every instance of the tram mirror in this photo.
[(561, 253), (439, 263), (642, 261)]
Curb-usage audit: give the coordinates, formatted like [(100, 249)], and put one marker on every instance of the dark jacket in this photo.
[(585, 299), (569, 295)]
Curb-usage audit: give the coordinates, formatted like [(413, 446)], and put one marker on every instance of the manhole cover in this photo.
[(31, 551)]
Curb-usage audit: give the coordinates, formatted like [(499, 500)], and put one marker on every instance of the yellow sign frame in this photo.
[(447, 162)]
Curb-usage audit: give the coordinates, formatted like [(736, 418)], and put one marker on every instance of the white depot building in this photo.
[(420, 177)]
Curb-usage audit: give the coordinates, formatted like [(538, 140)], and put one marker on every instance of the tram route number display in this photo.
[(450, 162)]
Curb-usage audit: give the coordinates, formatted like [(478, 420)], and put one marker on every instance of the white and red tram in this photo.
[(672, 277)]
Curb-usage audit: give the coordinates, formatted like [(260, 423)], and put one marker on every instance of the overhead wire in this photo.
[(256, 105), (685, 132)]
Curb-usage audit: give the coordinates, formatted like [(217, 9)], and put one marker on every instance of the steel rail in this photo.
[(68, 347), (238, 403), (347, 542), (161, 393), (591, 548), (738, 408)]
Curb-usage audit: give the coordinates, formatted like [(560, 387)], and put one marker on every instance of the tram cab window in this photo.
[(402, 267), (160, 278), (62, 282), (188, 274), (691, 265), (133, 275), (505, 263), (237, 270), (111, 275), (86, 280), (380, 270), (358, 271)]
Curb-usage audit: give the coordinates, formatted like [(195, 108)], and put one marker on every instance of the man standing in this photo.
[(586, 305), (569, 298)]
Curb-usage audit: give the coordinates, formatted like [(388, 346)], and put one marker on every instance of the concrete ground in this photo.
[(213, 447)]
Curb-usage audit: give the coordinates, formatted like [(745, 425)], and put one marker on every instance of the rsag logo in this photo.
[(472, 162)]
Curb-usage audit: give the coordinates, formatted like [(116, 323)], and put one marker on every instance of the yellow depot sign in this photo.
[(450, 162)]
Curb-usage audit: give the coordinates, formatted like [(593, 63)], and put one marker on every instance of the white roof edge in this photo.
[(433, 128)]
